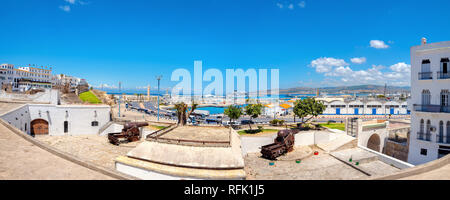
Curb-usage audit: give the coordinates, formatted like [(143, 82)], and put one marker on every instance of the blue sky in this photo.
[(312, 42)]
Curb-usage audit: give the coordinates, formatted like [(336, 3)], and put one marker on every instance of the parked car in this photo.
[(246, 122)]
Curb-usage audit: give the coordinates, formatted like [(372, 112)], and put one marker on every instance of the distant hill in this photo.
[(345, 89)]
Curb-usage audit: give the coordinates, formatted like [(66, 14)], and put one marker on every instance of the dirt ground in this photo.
[(93, 148)]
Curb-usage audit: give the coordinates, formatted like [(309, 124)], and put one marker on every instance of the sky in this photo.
[(314, 43)]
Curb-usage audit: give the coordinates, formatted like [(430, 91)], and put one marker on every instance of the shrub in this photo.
[(253, 131), (281, 122), (274, 122)]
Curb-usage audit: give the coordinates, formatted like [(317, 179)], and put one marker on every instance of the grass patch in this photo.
[(245, 132), (90, 97), (158, 127), (339, 126)]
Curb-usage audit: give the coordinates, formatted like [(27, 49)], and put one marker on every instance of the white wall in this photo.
[(433, 52), (113, 128), (19, 118), (78, 116), (251, 144)]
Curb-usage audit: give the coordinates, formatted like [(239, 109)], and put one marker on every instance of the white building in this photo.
[(430, 86), (6, 74), (32, 77), (365, 107), (57, 120)]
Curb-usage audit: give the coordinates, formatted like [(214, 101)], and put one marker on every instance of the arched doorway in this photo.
[(374, 142), (39, 127)]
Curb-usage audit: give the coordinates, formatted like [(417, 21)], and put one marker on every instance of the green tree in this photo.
[(183, 113), (233, 112), (308, 107), (253, 110)]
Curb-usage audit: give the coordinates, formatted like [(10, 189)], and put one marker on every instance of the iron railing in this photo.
[(425, 75), (442, 139), (443, 75), (432, 108), (424, 136)]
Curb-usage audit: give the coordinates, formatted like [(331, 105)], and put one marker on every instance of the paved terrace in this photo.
[(22, 160), (188, 160), (199, 133)]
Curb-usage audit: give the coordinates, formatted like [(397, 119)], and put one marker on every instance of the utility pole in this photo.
[(159, 79)]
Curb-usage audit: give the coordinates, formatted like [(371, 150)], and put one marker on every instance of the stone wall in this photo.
[(397, 145)]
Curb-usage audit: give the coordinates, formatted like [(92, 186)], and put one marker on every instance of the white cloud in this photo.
[(70, 1), (378, 44), (280, 5), (106, 86), (401, 67), (291, 6), (324, 65), (65, 8), (337, 72), (358, 60), (302, 4)]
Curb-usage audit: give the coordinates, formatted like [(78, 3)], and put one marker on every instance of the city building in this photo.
[(29, 77), (430, 117), (6, 76), (365, 107)]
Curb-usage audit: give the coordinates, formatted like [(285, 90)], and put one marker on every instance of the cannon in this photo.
[(283, 143), (130, 133)]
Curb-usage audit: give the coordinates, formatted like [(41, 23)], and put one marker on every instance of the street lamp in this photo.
[(120, 97), (159, 79)]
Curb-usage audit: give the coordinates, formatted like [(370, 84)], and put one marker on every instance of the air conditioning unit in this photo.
[(433, 129)]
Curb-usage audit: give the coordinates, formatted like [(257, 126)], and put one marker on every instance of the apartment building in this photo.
[(6, 76), (430, 117), (32, 77)]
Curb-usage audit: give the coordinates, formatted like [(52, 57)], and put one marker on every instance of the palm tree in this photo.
[(183, 113)]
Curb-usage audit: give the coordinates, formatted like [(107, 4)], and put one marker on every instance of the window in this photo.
[(428, 131), (426, 66), (441, 132), (423, 152), (444, 65), (422, 126), (66, 126), (426, 97), (444, 98), (94, 123)]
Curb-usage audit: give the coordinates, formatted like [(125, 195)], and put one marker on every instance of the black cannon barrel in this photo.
[(133, 124)]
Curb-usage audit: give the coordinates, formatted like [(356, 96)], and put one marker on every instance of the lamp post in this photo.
[(120, 97), (159, 79)]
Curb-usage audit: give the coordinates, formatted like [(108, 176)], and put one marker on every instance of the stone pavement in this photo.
[(22, 160), (320, 167)]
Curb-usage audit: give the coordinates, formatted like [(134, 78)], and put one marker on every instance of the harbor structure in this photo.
[(364, 107)]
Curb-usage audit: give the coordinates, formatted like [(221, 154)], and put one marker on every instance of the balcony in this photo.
[(432, 108), (425, 75), (442, 139), (443, 75), (424, 136)]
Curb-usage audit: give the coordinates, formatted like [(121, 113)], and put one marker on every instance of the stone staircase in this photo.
[(342, 142)]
